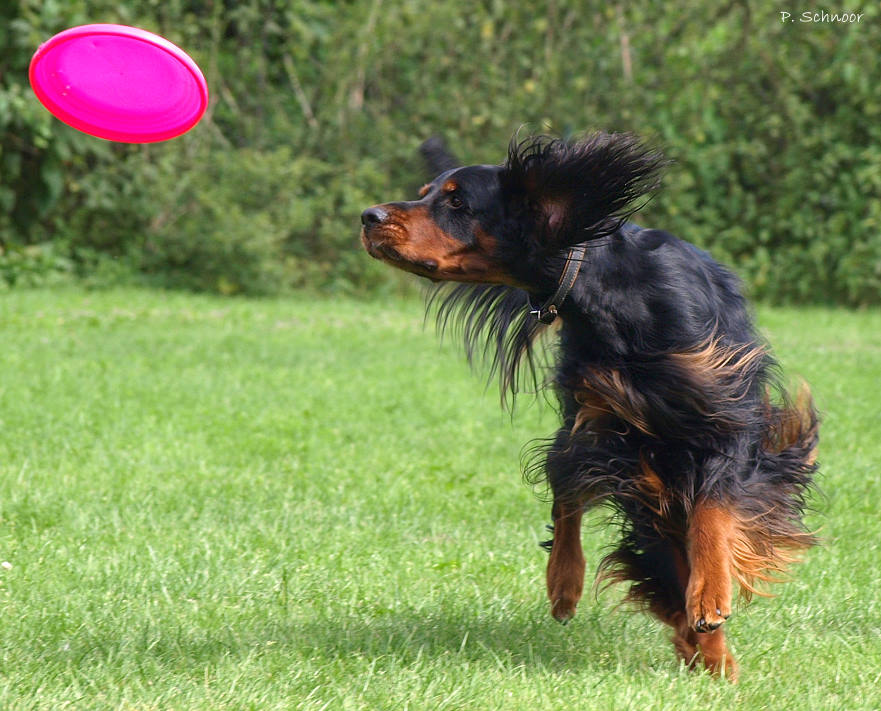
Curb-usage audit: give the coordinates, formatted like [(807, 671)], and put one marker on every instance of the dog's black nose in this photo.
[(373, 216)]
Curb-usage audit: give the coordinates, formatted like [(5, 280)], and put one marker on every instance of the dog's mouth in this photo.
[(430, 253), (380, 248)]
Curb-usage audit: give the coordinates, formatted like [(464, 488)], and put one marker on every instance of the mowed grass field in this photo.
[(300, 504)]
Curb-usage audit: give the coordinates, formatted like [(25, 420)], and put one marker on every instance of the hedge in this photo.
[(318, 108)]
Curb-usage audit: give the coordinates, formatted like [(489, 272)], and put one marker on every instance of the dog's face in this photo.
[(454, 232)]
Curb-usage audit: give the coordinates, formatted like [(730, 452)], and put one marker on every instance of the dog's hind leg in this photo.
[(659, 571), (693, 646), (657, 568)]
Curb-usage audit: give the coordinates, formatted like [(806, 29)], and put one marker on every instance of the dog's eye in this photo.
[(456, 202)]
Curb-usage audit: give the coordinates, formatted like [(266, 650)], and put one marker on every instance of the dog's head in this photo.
[(452, 232), (495, 224)]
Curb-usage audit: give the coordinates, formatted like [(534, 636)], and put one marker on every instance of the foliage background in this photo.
[(318, 107)]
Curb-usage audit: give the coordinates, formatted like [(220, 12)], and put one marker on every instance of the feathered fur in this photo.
[(672, 412), (497, 331)]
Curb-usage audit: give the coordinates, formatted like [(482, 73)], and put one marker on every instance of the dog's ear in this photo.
[(437, 156), (582, 190)]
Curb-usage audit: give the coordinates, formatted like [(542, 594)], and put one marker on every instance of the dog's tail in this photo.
[(438, 158)]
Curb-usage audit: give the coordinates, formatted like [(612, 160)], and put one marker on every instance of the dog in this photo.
[(672, 410)]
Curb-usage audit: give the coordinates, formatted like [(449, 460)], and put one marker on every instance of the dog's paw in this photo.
[(565, 584), (563, 604), (708, 603)]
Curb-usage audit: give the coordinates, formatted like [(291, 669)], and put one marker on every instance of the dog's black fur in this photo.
[(671, 410)]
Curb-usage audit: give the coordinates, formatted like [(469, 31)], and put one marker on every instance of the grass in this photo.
[(300, 504)]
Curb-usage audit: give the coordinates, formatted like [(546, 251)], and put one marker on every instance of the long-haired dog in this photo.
[(672, 413)]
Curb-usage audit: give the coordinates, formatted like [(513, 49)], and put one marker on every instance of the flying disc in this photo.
[(120, 83)]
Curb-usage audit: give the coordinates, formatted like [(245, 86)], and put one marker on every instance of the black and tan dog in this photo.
[(670, 406)]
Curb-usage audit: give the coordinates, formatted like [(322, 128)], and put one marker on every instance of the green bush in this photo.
[(318, 109), (34, 265), (237, 221)]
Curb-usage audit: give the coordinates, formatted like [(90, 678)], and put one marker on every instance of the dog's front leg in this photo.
[(708, 595), (565, 574)]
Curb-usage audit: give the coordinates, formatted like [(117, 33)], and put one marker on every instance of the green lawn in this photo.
[(291, 504)]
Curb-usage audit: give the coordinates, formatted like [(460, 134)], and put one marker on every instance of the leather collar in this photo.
[(547, 312)]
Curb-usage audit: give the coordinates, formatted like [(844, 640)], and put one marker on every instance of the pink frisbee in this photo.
[(119, 83)]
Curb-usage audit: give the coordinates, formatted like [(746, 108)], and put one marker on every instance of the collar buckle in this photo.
[(547, 312)]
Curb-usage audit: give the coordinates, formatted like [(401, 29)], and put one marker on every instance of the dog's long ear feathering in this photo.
[(498, 333), (491, 319), (577, 191)]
